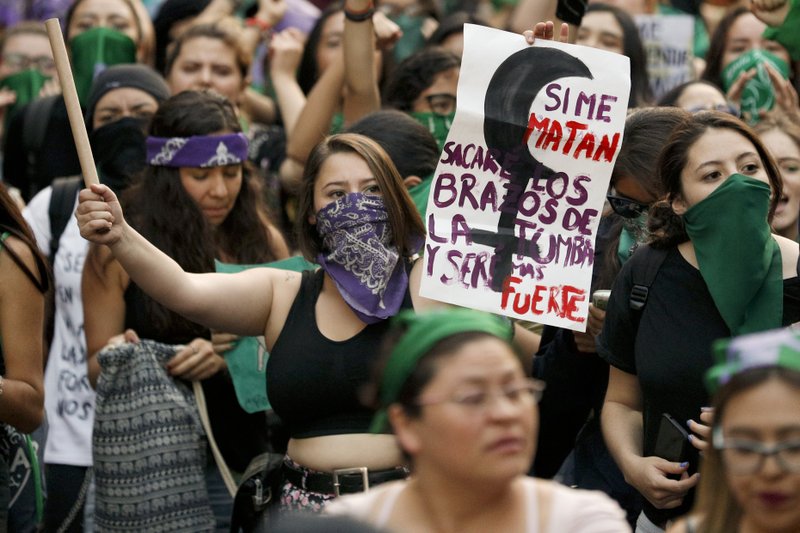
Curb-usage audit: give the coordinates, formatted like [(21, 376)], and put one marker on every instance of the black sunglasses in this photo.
[(625, 207)]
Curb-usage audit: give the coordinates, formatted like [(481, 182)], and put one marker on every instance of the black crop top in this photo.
[(312, 381)]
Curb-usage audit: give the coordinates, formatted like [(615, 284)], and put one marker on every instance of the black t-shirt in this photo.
[(672, 350)]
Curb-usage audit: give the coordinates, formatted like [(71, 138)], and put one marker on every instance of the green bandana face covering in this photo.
[(438, 125), (758, 94), (26, 85), (738, 258), (423, 332), (93, 51)]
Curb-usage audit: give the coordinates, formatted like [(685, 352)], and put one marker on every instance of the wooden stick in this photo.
[(71, 100)]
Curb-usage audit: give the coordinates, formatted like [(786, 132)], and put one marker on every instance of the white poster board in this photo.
[(669, 44), (517, 195)]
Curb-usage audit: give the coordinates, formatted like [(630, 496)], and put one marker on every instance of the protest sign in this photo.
[(668, 42), (516, 198)]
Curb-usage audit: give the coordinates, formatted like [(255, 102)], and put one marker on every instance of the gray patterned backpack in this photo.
[(148, 445)]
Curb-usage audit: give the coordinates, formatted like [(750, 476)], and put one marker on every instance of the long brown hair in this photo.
[(716, 506), (403, 216), (159, 207)]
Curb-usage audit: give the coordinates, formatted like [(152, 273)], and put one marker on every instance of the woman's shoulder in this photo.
[(790, 252), (366, 506), (581, 510), (16, 255)]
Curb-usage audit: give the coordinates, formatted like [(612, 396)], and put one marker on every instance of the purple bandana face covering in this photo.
[(202, 151), (359, 256)]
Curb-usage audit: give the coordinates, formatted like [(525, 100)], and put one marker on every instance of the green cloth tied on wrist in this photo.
[(423, 332), (788, 33), (739, 259)]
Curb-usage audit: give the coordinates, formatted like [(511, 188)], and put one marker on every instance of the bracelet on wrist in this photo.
[(261, 24), (360, 15)]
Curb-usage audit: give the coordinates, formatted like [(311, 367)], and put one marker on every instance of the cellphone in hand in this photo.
[(672, 442), (600, 298)]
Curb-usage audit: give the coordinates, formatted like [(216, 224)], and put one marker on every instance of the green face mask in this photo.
[(758, 94), (26, 85), (93, 51), (738, 258), (438, 125)]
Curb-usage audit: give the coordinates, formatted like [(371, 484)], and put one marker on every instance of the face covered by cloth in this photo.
[(360, 256), (739, 259), (93, 51)]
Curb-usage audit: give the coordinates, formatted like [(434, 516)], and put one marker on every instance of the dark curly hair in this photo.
[(415, 74), (666, 226), (159, 207)]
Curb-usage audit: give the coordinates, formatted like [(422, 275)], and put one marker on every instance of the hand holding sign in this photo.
[(546, 30)]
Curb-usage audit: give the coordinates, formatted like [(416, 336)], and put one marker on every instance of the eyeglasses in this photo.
[(519, 393), (625, 207), (725, 108), (22, 62), (746, 457), (442, 104)]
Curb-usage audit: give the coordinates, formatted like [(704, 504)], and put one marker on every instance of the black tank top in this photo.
[(137, 318), (313, 382)]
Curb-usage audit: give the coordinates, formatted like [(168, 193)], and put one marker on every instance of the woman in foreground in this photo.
[(750, 478), (465, 415)]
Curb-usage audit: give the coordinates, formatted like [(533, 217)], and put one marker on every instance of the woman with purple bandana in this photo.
[(195, 202)]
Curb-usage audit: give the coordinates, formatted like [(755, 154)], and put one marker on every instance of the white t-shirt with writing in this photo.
[(68, 398)]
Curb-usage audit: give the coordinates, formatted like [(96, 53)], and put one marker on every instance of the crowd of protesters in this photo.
[(295, 142)]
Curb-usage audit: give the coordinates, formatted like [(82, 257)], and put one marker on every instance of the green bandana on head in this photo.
[(423, 332), (738, 258), (26, 85), (93, 51), (758, 94), (779, 347), (438, 125)]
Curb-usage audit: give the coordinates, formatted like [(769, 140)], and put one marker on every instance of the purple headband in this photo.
[(201, 151)]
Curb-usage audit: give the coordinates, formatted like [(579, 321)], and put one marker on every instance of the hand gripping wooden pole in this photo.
[(71, 100)]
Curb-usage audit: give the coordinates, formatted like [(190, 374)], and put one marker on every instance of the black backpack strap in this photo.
[(60, 209), (36, 121), (42, 284), (648, 261)]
